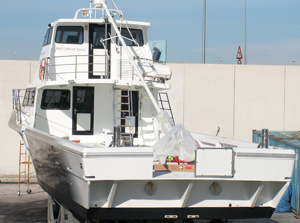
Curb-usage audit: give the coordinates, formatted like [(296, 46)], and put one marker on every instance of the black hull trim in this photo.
[(182, 213), (156, 213)]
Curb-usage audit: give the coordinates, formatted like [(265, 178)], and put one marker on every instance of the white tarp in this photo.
[(177, 142)]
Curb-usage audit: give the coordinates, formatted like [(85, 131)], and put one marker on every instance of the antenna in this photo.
[(90, 4)]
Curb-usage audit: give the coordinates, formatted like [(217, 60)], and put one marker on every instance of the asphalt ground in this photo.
[(32, 208)]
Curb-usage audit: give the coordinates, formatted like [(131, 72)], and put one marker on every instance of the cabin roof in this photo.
[(137, 24)]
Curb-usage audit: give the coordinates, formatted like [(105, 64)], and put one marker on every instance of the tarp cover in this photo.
[(165, 121), (284, 205), (177, 142)]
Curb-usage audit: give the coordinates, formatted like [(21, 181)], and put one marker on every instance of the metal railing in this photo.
[(17, 97), (73, 66)]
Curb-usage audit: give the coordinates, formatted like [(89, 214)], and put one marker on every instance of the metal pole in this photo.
[(204, 31), (266, 50), (90, 12), (245, 50), (265, 138)]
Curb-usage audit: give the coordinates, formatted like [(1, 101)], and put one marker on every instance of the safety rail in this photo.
[(88, 12), (17, 97), (76, 67)]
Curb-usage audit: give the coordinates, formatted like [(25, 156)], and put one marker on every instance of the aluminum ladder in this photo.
[(123, 126), (165, 104)]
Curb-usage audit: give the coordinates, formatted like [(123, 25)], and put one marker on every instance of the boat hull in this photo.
[(157, 213), (74, 177)]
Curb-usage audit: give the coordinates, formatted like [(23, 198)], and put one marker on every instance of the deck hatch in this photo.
[(214, 162)]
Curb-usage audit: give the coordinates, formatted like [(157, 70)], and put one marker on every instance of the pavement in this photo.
[(32, 208)]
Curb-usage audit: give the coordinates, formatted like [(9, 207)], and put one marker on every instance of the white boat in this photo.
[(99, 140)]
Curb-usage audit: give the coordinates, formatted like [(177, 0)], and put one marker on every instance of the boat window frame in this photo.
[(48, 36), (126, 41), (80, 39), (55, 105), (29, 97)]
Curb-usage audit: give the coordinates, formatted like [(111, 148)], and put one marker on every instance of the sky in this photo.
[(273, 28)]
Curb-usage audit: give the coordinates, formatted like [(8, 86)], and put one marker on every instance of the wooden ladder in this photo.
[(25, 161)]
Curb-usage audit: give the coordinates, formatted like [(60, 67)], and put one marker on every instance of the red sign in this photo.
[(239, 56)]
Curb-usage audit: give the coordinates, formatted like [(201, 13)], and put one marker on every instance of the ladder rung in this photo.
[(27, 162), (163, 101), (122, 96), (123, 103), (122, 89), (122, 111), (124, 118), (124, 125)]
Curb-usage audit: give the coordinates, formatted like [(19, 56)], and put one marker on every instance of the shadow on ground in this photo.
[(35, 211)]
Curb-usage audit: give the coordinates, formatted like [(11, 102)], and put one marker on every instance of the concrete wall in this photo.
[(237, 98), (13, 74)]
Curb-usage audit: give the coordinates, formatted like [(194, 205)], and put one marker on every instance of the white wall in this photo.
[(238, 98), (13, 74)]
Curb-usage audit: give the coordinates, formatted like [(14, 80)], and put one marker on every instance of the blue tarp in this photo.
[(284, 205), (288, 140)]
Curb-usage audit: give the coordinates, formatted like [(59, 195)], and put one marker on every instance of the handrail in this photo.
[(114, 11), (74, 67), (16, 103)]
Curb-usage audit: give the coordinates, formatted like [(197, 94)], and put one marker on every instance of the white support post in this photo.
[(256, 195), (186, 194), (64, 215), (50, 212)]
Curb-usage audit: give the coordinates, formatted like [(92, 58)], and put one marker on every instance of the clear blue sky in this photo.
[(271, 24)]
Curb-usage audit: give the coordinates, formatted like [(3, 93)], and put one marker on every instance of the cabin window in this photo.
[(98, 34), (29, 97), (56, 99), (47, 39), (137, 34), (69, 35)]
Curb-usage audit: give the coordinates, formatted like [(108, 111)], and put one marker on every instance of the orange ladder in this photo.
[(25, 162)]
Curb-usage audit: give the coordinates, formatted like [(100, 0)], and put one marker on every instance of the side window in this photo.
[(69, 35), (56, 99), (47, 39), (29, 97), (137, 34)]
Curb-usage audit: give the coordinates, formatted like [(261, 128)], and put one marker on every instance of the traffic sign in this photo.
[(239, 55)]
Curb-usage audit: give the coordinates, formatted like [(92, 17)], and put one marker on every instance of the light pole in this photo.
[(245, 49), (204, 31), (266, 50), (15, 53)]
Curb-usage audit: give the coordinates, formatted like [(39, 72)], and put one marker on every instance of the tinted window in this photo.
[(69, 34), (98, 34), (47, 39), (136, 34), (56, 99), (29, 97)]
